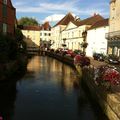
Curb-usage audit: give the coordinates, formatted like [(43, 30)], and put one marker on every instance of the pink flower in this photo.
[(1, 118), (107, 73)]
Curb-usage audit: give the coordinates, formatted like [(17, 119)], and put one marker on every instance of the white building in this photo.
[(73, 33), (58, 28), (45, 34), (97, 43)]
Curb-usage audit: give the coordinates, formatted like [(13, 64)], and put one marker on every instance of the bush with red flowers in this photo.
[(107, 75), (81, 60)]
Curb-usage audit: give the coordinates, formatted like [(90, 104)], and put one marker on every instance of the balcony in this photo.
[(113, 35)]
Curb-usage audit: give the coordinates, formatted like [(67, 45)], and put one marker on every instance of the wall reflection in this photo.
[(60, 72), (67, 77)]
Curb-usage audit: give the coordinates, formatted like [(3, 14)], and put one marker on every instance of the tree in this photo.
[(19, 37), (26, 21), (18, 34)]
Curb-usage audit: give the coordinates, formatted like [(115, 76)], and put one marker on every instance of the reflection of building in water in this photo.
[(7, 99), (34, 64), (63, 74), (68, 80)]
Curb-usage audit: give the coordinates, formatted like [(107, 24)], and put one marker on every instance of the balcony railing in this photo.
[(113, 35)]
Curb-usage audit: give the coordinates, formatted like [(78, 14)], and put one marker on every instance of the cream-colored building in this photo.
[(45, 35), (73, 33), (31, 36), (37, 36), (58, 28), (114, 32), (97, 43)]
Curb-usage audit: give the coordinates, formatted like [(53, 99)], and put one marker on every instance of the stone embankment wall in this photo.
[(108, 100)]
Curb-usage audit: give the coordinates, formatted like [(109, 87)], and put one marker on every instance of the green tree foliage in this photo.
[(26, 21), (19, 37)]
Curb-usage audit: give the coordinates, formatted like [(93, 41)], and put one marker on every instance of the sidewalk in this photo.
[(96, 63)]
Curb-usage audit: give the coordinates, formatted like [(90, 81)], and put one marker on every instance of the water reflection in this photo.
[(50, 90), (7, 99)]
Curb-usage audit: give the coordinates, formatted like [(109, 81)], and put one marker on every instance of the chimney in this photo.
[(95, 14)]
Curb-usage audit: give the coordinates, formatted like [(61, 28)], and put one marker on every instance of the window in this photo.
[(4, 11), (40, 34), (4, 28), (45, 34), (80, 33), (49, 34), (68, 35), (5, 2), (72, 34)]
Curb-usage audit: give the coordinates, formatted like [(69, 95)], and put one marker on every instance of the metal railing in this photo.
[(112, 35)]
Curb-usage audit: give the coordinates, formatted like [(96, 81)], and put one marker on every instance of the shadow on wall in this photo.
[(30, 43), (32, 47)]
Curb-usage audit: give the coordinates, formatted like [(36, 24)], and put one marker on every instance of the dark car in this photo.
[(98, 56), (111, 59)]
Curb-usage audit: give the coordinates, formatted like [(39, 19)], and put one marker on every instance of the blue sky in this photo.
[(54, 10)]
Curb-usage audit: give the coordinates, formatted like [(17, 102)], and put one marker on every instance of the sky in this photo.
[(54, 10)]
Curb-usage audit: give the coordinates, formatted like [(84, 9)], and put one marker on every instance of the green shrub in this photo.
[(8, 48)]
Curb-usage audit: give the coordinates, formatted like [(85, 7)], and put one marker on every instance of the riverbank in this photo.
[(10, 68), (108, 100)]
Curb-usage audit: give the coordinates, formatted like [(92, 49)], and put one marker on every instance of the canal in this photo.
[(49, 90)]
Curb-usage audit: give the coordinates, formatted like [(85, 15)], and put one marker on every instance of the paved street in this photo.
[(96, 63)]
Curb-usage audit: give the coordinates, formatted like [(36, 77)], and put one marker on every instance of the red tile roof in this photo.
[(34, 28), (100, 23), (89, 21), (69, 17), (46, 26), (112, 1)]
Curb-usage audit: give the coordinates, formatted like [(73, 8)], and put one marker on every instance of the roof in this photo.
[(34, 28), (100, 23), (69, 17), (11, 4), (46, 26), (89, 21), (112, 1)]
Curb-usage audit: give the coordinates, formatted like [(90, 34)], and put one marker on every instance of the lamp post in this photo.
[(84, 44), (50, 43), (64, 43)]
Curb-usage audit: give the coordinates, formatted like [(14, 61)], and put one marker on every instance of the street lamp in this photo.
[(50, 43), (64, 41), (84, 44)]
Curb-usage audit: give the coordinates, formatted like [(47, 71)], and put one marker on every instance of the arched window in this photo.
[(5, 2)]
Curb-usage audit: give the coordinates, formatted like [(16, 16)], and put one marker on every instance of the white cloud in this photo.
[(54, 17)]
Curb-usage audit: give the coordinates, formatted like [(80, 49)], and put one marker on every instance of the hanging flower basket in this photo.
[(84, 44)]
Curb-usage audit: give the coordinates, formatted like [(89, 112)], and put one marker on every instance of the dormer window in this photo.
[(5, 2)]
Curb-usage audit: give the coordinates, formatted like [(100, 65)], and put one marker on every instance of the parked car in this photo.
[(111, 59), (98, 56)]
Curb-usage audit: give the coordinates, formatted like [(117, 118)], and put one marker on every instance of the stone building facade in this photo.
[(114, 32)]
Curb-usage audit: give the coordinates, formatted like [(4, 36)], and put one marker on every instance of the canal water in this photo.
[(49, 90)]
